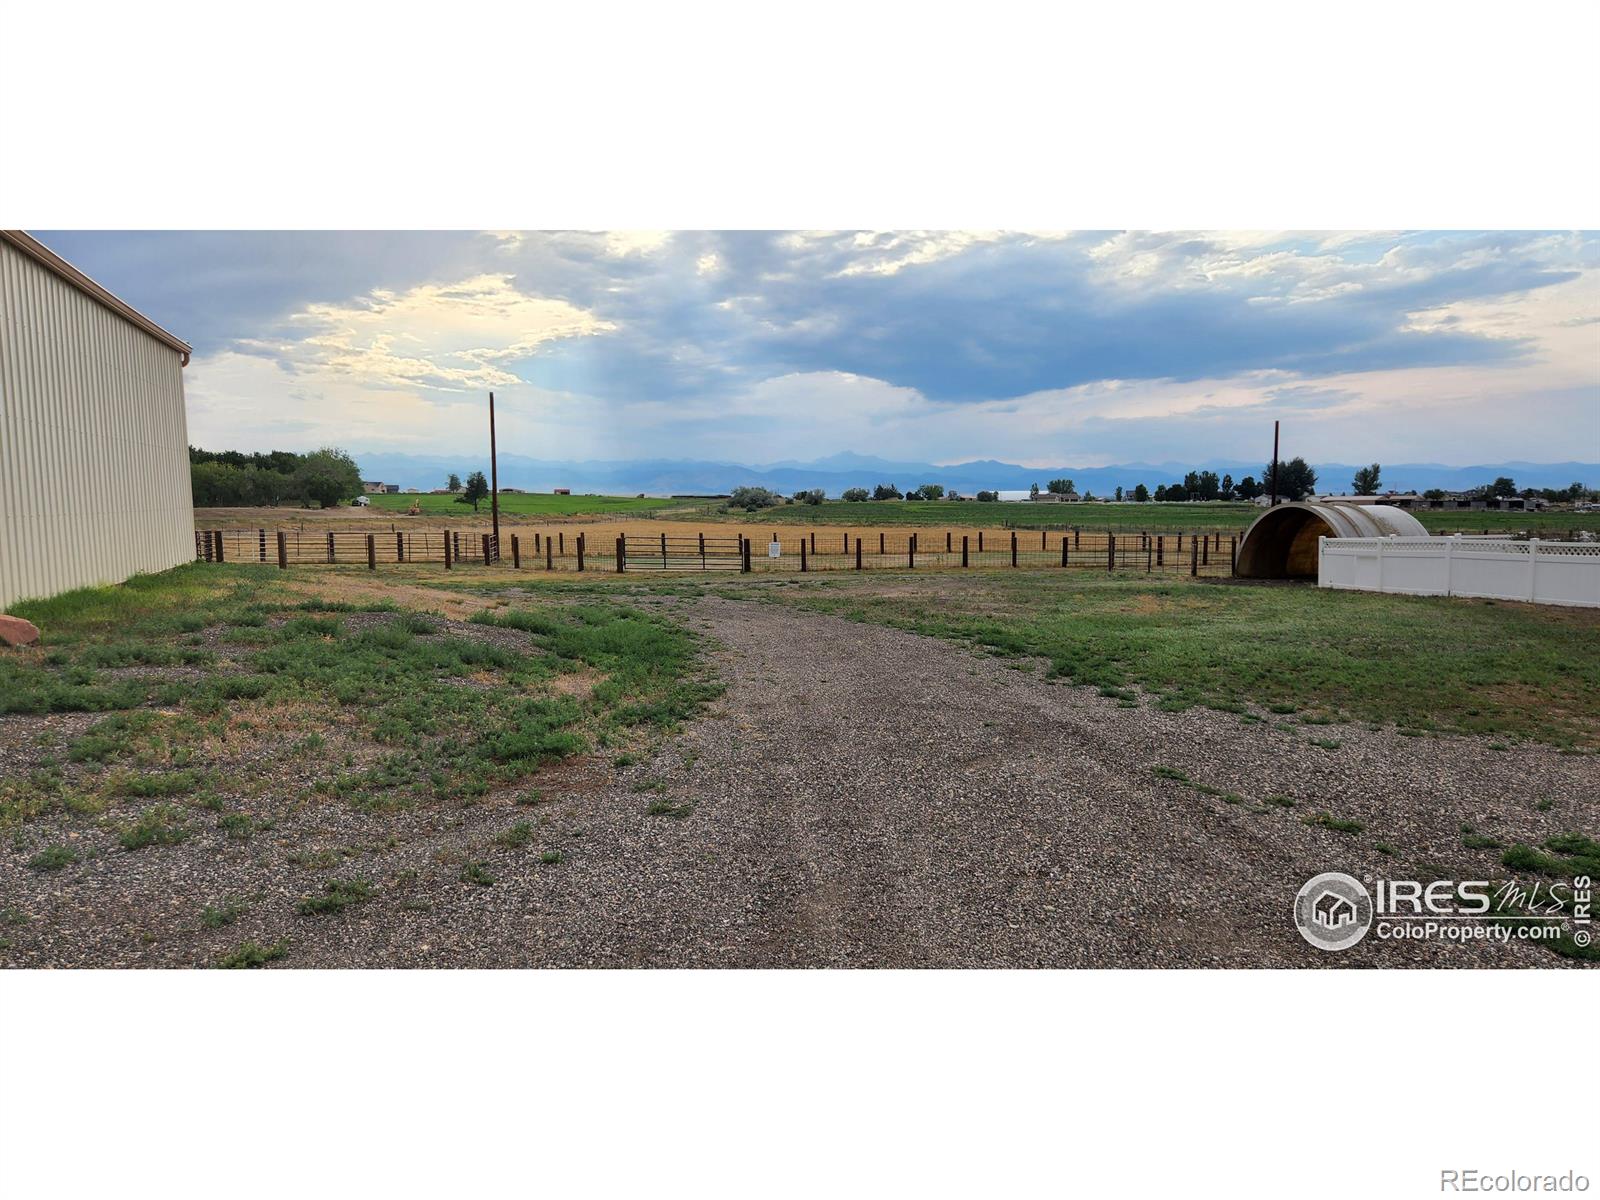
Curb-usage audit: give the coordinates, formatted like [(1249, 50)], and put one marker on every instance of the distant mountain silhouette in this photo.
[(834, 473)]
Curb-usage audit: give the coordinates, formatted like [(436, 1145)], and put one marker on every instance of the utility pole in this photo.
[(1274, 503), (494, 480)]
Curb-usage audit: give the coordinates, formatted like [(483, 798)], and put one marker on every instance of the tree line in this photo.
[(230, 479)]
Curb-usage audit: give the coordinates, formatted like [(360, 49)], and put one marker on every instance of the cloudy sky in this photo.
[(1044, 349)]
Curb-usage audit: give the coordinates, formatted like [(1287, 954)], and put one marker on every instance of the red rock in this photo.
[(14, 631)]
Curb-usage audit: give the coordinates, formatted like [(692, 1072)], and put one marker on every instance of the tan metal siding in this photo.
[(94, 462)]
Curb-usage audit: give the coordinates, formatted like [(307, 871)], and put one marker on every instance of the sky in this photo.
[(1086, 348)]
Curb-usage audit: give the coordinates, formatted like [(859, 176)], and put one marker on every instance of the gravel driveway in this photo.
[(862, 797)]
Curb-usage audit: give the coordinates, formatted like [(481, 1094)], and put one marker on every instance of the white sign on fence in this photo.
[(1535, 571), (774, 549)]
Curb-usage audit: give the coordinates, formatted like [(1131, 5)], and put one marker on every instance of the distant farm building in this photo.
[(1282, 542), (93, 435), (1449, 502), (561, 492)]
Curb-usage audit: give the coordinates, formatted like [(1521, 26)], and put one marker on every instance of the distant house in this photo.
[(510, 491), (1048, 497), (411, 491), (1449, 502), (371, 486), (561, 491)]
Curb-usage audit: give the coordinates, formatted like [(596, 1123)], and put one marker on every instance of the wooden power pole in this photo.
[(1274, 454), (494, 481)]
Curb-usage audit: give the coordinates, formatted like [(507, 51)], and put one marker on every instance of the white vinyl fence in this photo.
[(1541, 572)]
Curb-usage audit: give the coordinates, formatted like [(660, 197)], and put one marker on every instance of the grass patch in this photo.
[(336, 896), (52, 858), (478, 873), (252, 954), (550, 857), (159, 825), (1337, 824), (516, 837), (226, 912), (665, 808)]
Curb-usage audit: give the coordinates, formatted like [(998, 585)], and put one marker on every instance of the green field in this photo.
[(1312, 656), (537, 504), (1216, 515)]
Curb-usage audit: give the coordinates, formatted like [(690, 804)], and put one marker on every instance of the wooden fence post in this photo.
[(486, 549), (218, 536), (333, 552), (1194, 556), (964, 550), (447, 558), (1076, 534), (858, 551), (947, 541), (516, 553), (880, 541), (549, 554), (1063, 549), (622, 551), (283, 553), (746, 553), (846, 550), (980, 541), (1233, 555), (580, 551), (803, 567), (1013, 547), (372, 553), (1111, 552), (1044, 539), (1205, 552), (399, 547), (813, 541), (1161, 549), (537, 548), (702, 545), (911, 552), (562, 546)]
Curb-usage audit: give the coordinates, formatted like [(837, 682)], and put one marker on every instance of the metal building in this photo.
[(94, 462), (1282, 543)]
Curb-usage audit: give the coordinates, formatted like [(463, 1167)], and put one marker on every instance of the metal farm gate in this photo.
[(663, 552)]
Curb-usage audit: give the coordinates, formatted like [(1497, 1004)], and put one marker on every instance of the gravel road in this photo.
[(862, 797)]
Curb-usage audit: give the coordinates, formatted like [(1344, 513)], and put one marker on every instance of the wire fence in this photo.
[(1203, 553)]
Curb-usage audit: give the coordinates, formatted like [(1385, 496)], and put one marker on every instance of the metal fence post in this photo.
[(549, 554), (911, 552), (858, 552), (580, 552), (1063, 549), (1194, 555), (1111, 552), (399, 547), (516, 553), (1013, 548), (262, 541), (283, 553), (372, 553), (803, 567), (963, 549)]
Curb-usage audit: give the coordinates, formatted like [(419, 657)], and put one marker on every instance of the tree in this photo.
[(1062, 487), (454, 482), (1503, 486), (814, 496), (1248, 488), (1161, 491), (1296, 479), (886, 491), (854, 495), (329, 476), (1141, 494), (988, 497), (1033, 490), (1365, 482), (931, 491), (1119, 493), (1227, 487), (752, 498), (477, 489)]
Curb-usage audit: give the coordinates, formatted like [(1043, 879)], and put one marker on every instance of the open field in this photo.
[(233, 765), (604, 515), (531, 504)]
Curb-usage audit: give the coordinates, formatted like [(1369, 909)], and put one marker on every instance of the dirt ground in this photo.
[(860, 797)]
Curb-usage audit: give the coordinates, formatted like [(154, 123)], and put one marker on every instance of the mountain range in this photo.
[(834, 473)]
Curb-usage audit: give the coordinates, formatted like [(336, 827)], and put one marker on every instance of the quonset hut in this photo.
[(1282, 543)]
